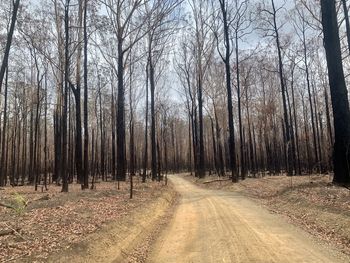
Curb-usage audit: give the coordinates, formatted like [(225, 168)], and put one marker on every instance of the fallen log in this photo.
[(43, 198), (6, 232), (7, 206), (217, 180)]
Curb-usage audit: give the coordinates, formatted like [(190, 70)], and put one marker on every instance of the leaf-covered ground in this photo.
[(311, 202), (53, 221)]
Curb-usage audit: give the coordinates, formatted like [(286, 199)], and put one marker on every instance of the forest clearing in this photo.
[(174, 131)]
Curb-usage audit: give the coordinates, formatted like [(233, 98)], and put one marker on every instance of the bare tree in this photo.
[(269, 16), (161, 26), (121, 15), (203, 47)]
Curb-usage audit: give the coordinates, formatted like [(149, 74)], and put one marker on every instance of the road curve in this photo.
[(217, 226)]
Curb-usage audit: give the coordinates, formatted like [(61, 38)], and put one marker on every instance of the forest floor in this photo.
[(227, 226), (101, 225), (310, 202)]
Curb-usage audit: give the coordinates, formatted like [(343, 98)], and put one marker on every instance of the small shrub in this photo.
[(19, 203)]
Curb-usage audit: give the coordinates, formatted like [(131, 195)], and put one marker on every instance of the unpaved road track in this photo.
[(218, 226)]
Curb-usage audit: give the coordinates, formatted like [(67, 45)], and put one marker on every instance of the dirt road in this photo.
[(217, 226)]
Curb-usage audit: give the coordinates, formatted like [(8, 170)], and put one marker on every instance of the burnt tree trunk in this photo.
[(288, 141), (347, 22), (145, 157), (231, 144), (121, 158), (339, 93), (86, 127), (65, 102), (9, 42), (153, 120), (3, 138)]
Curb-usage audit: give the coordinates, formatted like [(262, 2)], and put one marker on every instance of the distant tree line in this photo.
[(111, 89)]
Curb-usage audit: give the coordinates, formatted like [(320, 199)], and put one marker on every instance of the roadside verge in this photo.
[(126, 239)]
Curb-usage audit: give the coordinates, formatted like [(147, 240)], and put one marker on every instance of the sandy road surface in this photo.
[(217, 226)]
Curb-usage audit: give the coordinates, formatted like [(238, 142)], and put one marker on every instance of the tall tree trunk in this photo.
[(307, 144), (241, 146), (113, 130), (319, 164), (231, 144), (339, 93), (291, 128), (298, 171), (45, 134), (76, 91), (9, 42), (102, 139), (24, 145), (86, 127), (219, 145), (190, 144), (121, 158), (4, 129), (153, 119), (37, 117), (288, 142), (310, 100), (65, 101), (329, 128), (165, 146), (215, 157), (347, 22), (201, 163), (145, 157)]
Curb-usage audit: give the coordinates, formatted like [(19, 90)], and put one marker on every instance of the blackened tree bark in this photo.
[(227, 62), (45, 134), (288, 141), (145, 157), (132, 140), (65, 100), (215, 157), (347, 22), (296, 133), (303, 28), (113, 129), (241, 145), (121, 158), (329, 125), (3, 138), (86, 127), (121, 16), (339, 94), (9, 41), (102, 131), (201, 163), (201, 60), (132, 154), (219, 146), (158, 36), (153, 119), (76, 92), (239, 22), (37, 117)]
